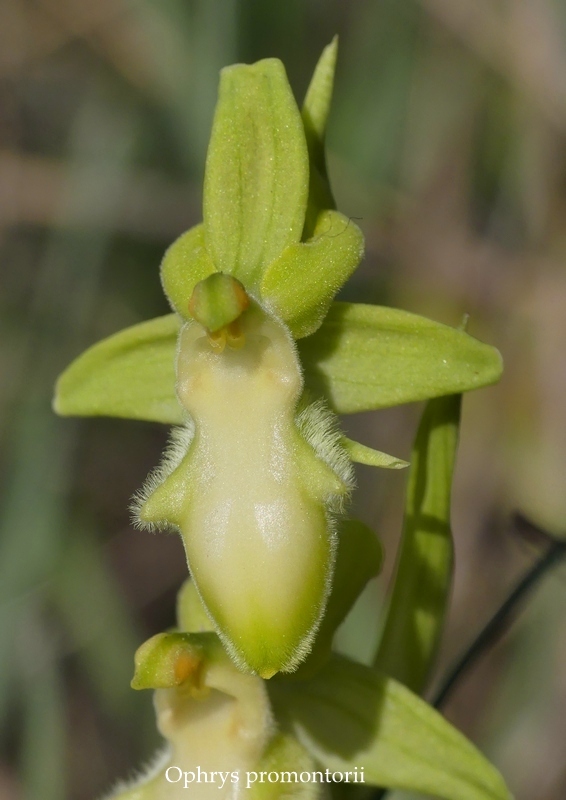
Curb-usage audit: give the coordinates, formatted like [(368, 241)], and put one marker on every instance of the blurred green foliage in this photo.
[(447, 144)]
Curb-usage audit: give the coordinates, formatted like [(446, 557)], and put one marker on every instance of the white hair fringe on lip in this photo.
[(143, 775), (180, 439), (319, 426)]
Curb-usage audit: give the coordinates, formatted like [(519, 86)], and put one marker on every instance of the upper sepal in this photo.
[(257, 171)]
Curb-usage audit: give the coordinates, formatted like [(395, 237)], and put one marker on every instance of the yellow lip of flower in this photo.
[(251, 496)]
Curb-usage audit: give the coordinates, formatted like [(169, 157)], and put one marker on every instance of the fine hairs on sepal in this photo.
[(179, 442)]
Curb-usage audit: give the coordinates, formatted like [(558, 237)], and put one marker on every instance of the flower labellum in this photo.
[(252, 481)]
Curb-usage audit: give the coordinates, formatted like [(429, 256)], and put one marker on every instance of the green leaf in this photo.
[(367, 357), (185, 264), (315, 116), (362, 454), (130, 374), (350, 716), (257, 175), (300, 285), (358, 559), (421, 588)]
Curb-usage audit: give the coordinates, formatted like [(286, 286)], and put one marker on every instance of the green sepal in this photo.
[(168, 660), (368, 357), (257, 174), (131, 374), (421, 588), (351, 716), (316, 108), (359, 558), (300, 285), (362, 454), (185, 264)]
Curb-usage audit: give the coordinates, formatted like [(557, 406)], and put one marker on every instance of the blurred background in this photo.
[(448, 142)]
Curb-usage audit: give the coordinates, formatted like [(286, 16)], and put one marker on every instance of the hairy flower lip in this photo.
[(254, 483)]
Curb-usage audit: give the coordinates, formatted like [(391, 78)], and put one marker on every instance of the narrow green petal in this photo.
[(130, 374), (257, 174), (367, 357), (318, 99), (362, 454), (315, 116), (300, 285), (421, 588), (350, 717), (185, 264)]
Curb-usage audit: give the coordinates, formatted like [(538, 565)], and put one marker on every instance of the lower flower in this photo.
[(220, 732)]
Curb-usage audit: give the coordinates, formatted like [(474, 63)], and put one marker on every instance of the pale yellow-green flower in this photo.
[(250, 369)]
